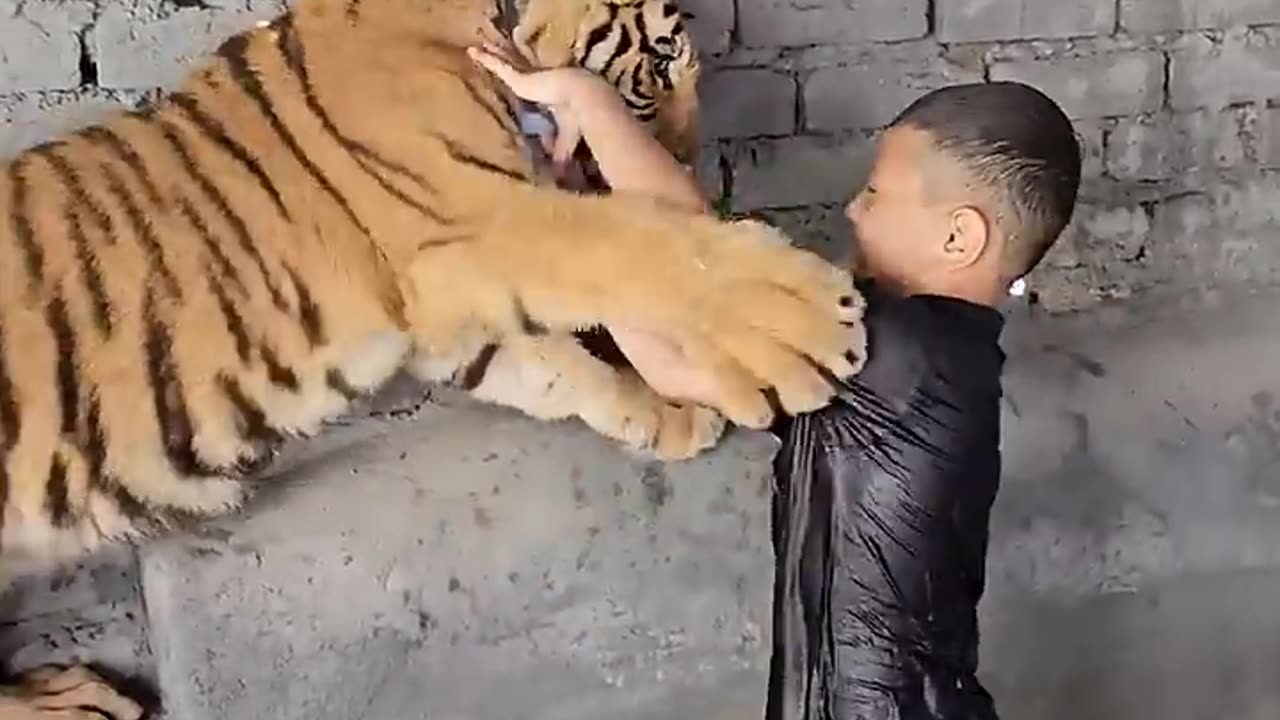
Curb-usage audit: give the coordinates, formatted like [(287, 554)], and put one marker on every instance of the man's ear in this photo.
[(969, 237)]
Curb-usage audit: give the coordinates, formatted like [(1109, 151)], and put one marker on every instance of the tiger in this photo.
[(328, 199)]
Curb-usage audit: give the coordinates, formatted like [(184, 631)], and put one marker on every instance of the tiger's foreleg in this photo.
[(777, 324), (65, 694), (552, 376)]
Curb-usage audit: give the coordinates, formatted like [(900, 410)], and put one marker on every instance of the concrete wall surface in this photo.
[(429, 555)]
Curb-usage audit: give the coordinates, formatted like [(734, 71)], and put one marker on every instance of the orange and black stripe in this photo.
[(215, 196), (251, 419), (10, 427), (234, 54), (168, 399), (95, 456), (86, 257), (23, 230), (142, 230), (308, 310), (217, 134), (294, 55)]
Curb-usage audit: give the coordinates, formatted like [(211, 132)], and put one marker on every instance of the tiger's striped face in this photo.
[(642, 47)]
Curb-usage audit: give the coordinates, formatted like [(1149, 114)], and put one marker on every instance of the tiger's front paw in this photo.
[(780, 325), (684, 431), (654, 427), (66, 694)]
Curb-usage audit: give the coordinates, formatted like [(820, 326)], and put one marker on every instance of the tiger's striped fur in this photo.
[(326, 200), (643, 47)]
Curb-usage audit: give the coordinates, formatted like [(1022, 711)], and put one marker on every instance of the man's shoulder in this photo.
[(896, 346)]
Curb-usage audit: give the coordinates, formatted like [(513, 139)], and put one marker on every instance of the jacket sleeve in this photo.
[(880, 558)]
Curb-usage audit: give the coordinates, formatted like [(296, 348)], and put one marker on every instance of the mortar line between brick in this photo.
[(88, 65), (735, 27), (799, 120), (726, 177), (1166, 101)]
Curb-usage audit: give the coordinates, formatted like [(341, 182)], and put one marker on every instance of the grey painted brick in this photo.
[(1074, 289), (39, 45), (1092, 148), (797, 171), (911, 55), (1118, 83), (802, 22), (1099, 234), (1163, 15), (748, 102), (1100, 256), (976, 20), (32, 118), (712, 24), (708, 172), (159, 52), (869, 96), (1270, 137), (1224, 235), (1217, 75), (1166, 146), (823, 229)]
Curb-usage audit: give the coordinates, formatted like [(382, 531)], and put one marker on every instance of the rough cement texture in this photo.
[(417, 560), (409, 577)]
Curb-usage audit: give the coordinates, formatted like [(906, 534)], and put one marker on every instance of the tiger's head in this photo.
[(642, 47)]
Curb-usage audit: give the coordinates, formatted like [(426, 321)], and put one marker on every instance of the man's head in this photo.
[(970, 186)]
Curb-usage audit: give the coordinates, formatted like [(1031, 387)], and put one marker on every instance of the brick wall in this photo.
[(1177, 101)]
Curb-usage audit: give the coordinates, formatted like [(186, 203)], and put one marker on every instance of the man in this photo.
[(882, 514)]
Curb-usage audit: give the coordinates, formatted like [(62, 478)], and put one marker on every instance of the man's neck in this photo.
[(977, 293)]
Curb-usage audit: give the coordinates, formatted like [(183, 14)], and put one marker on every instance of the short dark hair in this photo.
[(1020, 145)]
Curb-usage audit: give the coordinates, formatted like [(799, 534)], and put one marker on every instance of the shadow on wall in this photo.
[(1136, 541)]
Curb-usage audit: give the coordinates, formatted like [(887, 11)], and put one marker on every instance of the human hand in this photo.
[(556, 88), (664, 366)]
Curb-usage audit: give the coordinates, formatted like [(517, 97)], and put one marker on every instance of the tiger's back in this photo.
[(153, 347), (182, 289)]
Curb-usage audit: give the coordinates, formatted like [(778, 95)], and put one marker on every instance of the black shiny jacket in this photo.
[(880, 525)]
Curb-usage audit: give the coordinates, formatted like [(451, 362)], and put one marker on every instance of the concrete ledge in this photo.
[(473, 564)]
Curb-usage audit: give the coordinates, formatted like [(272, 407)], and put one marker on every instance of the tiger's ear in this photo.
[(678, 126)]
